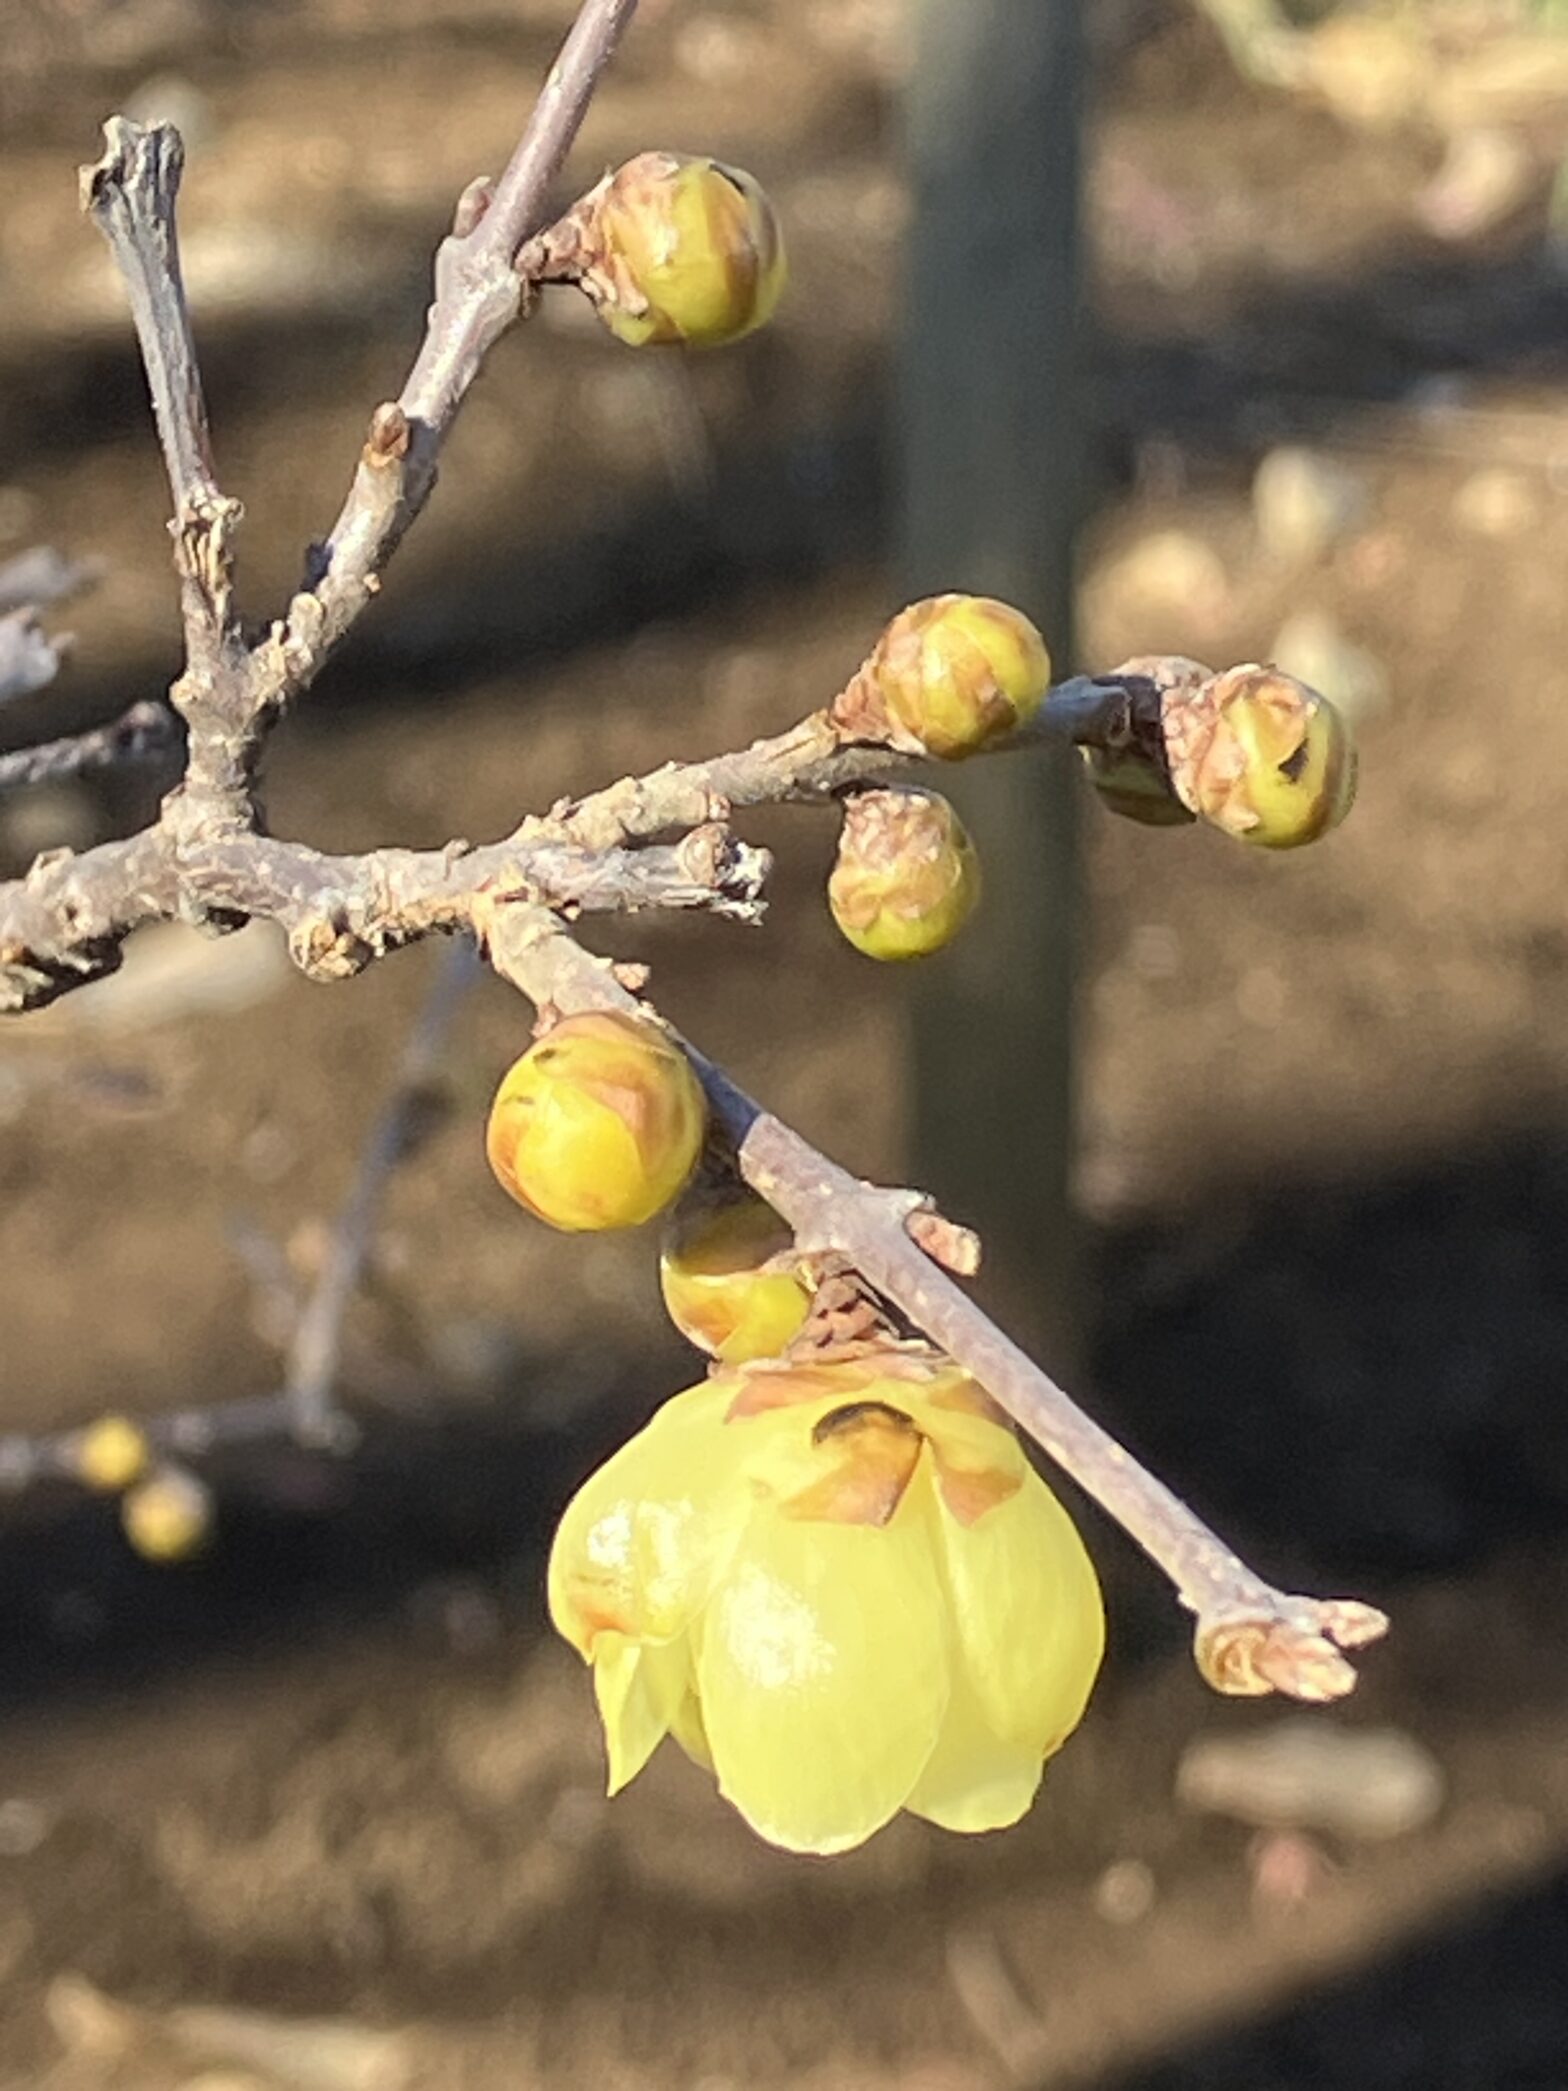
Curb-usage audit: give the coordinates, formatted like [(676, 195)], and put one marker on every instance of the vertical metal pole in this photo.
[(989, 435)]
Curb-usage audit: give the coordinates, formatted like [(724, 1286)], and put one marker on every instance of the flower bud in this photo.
[(110, 1454), (167, 1517), (682, 250), (599, 1124), (906, 878), (1262, 756), (730, 1282), (948, 675)]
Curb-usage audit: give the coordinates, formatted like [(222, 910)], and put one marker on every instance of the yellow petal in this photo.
[(974, 1781), (641, 1541), (822, 1664), (638, 1690), (1029, 1622), (686, 1725)]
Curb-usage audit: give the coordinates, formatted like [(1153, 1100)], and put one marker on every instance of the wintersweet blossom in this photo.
[(841, 1586)]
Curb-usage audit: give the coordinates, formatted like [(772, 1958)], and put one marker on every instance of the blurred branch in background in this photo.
[(990, 420)]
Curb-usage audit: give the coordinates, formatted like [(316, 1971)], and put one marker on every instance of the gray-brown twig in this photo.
[(1251, 1638), (29, 658), (130, 195), (143, 734)]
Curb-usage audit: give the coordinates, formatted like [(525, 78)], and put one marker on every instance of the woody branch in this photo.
[(206, 859)]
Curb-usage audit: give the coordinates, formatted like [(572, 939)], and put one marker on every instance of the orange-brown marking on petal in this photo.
[(854, 1415), (762, 1391), (965, 1395), (873, 1451), (969, 1492), (597, 1611)]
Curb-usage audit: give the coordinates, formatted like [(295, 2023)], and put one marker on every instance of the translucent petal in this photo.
[(1028, 1616), (638, 1690), (974, 1781), (822, 1663), (640, 1543), (686, 1725)]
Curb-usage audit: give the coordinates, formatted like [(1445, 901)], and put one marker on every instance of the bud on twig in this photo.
[(947, 676), (906, 878), (1260, 755), (676, 249), (599, 1124), (167, 1517), (729, 1279), (110, 1454)]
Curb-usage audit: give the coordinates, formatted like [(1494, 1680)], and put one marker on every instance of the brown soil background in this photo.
[(338, 1768)]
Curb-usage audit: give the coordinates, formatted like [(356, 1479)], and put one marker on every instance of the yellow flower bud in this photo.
[(843, 1588), (168, 1516), (1262, 756), (111, 1453), (906, 878), (730, 1282), (682, 250), (948, 675), (599, 1124)]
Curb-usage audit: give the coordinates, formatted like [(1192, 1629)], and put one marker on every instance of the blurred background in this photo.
[(323, 1809)]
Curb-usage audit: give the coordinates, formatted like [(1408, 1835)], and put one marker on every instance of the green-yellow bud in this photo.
[(1131, 783), (110, 1454), (167, 1517), (951, 673), (1262, 756), (906, 878), (682, 250), (599, 1124), (730, 1282)]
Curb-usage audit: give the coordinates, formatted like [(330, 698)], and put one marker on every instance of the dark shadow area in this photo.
[(1479, 2003), (1365, 1378)]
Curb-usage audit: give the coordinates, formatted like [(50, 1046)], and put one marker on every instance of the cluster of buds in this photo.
[(599, 1124), (906, 878), (672, 249), (165, 1512)]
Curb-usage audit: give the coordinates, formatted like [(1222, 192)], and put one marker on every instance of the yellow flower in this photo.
[(842, 1587)]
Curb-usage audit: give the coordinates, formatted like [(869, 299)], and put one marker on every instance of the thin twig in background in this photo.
[(29, 658), (145, 733), (313, 1354), (204, 860)]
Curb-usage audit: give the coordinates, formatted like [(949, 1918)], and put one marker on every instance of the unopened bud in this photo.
[(599, 1124), (730, 1281), (110, 1454), (1262, 756), (167, 1517), (906, 878), (948, 675), (682, 250)]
